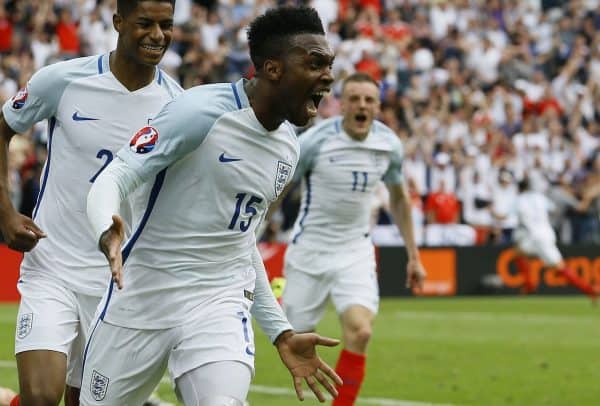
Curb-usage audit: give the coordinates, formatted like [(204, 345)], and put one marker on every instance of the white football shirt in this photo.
[(214, 170), (339, 177), (533, 213), (90, 114)]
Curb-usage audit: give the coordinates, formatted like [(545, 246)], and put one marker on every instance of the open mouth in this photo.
[(360, 118), (315, 99)]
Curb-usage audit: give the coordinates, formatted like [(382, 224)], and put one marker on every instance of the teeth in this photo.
[(152, 47), (321, 93)]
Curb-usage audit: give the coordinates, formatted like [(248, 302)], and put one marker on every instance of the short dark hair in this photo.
[(359, 77), (126, 7), (269, 33)]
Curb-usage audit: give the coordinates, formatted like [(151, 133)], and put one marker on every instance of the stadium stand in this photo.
[(480, 92)]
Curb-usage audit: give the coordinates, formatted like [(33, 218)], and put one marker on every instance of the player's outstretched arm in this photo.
[(19, 231), (401, 212), (111, 187), (299, 355)]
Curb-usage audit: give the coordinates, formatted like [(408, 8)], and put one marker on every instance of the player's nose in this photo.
[(156, 33)]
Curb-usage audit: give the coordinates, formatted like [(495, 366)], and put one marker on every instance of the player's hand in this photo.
[(298, 353), (415, 274), (21, 233), (110, 244)]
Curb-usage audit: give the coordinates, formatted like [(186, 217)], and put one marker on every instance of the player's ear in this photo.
[(117, 22), (273, 69)]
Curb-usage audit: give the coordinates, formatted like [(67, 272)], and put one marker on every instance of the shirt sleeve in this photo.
[(266, 310), (37, 101), (393, 175), (180, 127)]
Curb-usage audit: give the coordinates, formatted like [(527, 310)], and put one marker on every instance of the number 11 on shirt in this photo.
[(355, 181)]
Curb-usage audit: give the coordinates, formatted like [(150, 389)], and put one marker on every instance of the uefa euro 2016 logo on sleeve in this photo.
[(284, 170), (144, 140), (98, 385), (18, 101)]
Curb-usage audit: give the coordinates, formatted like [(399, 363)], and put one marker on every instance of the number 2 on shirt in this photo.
[(103, 153), (249, 209)]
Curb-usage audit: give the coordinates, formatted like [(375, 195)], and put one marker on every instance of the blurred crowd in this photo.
[(482, 93)]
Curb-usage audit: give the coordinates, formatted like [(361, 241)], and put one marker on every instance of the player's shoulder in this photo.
[(383, 137), (316, 135), (72, 69), (383, 132), (204, 104), (215, 99), (324, 127)]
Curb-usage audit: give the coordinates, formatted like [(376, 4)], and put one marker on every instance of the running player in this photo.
[(535, 238), (330, 253), (91, 105), (216, 157)]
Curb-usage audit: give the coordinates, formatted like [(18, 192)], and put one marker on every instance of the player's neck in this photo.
[(132, 76), (260, 101)]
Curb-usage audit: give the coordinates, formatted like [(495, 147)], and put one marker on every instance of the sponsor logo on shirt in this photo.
[(144, 140), (77, 117), (98, 385), (18, 101), (223, 158), (284, 170)]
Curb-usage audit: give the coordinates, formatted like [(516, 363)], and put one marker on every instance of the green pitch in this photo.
[(471, 351)]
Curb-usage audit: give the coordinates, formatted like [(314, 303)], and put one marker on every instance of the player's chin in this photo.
[(364, 125), (152, 58)]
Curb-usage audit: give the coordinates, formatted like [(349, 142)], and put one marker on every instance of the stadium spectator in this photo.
[(476, 202), (442, 206), (6, 30), (504, 197), (587, 228), (67, 34), (442, 174)]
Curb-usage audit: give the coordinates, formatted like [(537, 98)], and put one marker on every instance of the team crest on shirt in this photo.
[(24, 325), (144, 140), (284, 170), (99, 385), (19, 99)]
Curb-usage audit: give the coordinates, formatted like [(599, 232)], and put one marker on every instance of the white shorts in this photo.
[(53, 317), (544, 249), (122, 366), (311, 276)]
